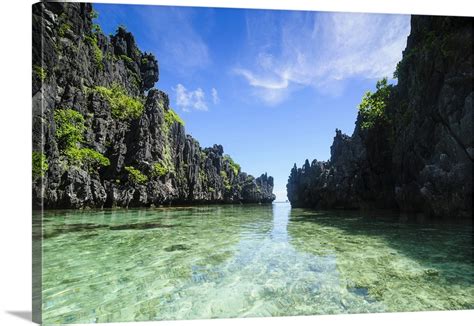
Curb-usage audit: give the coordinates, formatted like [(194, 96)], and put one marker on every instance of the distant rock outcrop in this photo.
[(104, 137), (419, 159)]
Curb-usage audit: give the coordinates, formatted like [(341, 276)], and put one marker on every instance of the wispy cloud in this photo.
[(319, 50), (180, 46), (215, 96), (190, 100)]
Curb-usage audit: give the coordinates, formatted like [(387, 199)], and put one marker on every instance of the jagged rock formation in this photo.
[(419, 159), (103, 137)]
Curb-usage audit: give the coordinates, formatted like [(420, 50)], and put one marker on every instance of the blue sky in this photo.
[(270, 86)]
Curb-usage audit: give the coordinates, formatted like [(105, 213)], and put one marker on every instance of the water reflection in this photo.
[(237, 261), (281, 214)]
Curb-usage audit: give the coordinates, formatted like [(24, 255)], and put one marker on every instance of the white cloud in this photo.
[(215, 96), (270, 82), (188, 100), (319, 50)]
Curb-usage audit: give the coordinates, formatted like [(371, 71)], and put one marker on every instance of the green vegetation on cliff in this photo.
[(86, 157), (70, 130), (123, 106), (96, 51), (40, 164), (225, 180), (234, 166), (63, 29), (172, 117), (135, 175), (167, 165), (94, 14), (372, 107), (96, 28), (125, 58), (40, 72), (160, 170)]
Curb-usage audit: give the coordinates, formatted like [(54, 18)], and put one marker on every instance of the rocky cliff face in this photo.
[(104, 137), (419, 157)]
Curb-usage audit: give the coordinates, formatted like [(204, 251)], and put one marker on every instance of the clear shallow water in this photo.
[(242, 261)]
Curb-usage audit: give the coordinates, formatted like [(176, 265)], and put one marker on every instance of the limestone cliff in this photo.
[(104, 137), (419, 157)]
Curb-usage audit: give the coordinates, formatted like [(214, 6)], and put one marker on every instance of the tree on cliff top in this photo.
[(372, 107)]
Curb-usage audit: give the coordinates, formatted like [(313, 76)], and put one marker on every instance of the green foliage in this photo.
[(40, 72), (167, 159), (225, 180), (125, 58), (396, 73), (135, 175), (123, 106), (372, 107), (202, 176), (96, 28), (90, 39), (69, 127), (40, 164), (94, 14), (234, 166), (70, 133), (160, 170), (96, 51), (63, 29), (86, 157), (110, 57), (407, 56), (144, 61), (172, 117)]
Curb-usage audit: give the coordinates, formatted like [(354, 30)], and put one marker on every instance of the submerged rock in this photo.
[(140, 226), (177, 247)]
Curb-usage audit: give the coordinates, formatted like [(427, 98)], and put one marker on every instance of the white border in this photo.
[(15, 157), (426, 7)]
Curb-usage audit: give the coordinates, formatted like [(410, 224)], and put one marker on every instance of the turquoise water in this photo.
[(242, 261)]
